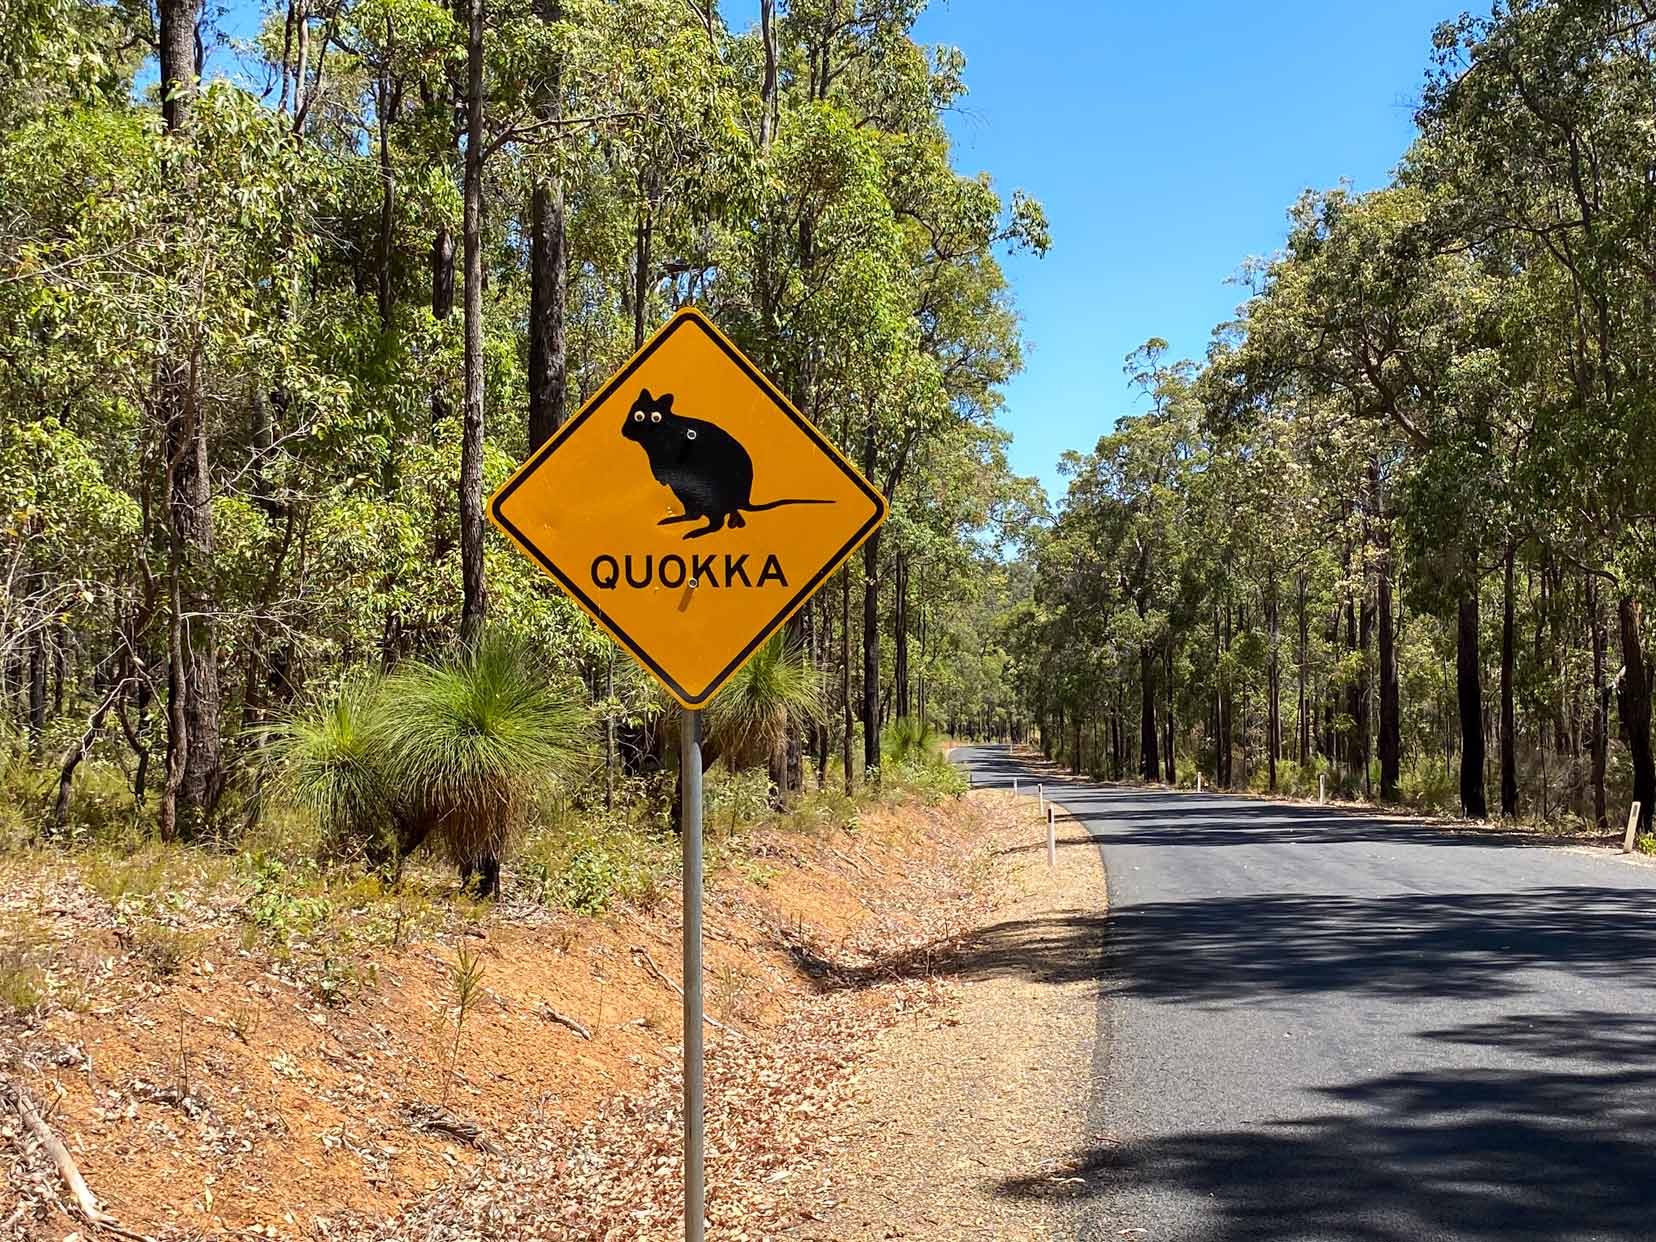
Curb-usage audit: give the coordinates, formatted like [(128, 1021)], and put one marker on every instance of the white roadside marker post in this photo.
[(1198, 782), (1040, 792), (1052, 840), (695, 1187), (1322, 789), (1632, 829), (1014, 787)]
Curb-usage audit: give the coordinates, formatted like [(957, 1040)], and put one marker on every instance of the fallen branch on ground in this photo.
[(552, 1015), (427, 1117), (85, 1201), (649, 963)]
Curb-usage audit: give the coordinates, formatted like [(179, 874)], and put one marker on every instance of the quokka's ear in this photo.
[(666, 403), (644, 397)]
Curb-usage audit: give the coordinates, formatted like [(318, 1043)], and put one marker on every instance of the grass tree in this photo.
[(776, 692), (461, 746), (330, 759)]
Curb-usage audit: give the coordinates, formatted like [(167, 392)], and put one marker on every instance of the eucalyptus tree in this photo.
[(1369, 311), (1537, 113)]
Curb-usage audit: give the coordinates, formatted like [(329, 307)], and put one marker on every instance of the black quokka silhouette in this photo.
[(706, 467)]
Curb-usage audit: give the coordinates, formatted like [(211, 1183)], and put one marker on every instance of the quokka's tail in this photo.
[(777, 504)]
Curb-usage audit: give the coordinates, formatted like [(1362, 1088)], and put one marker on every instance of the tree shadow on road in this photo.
[(1251, 949), (1477, 1155), (1405, 945)]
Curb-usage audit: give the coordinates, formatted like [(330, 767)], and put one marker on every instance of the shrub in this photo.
[(471, 742), (1426, 785), (588, 872), (930, 782), (733, 798), (331, 759)]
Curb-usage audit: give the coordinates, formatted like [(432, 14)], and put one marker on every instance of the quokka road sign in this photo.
[(688, 507)]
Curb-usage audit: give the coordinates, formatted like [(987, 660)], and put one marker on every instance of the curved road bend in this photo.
[(1331, 1027)]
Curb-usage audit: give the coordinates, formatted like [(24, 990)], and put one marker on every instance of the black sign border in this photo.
[(685, 317)]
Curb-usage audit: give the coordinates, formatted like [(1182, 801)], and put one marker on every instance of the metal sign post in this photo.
[(690, 509), (690, 771)]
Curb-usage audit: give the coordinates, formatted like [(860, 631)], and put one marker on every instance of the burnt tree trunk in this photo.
[(1469, 696), (548, 275), (1600, 742), (899, 635), (1168, 724), (1149, 761), (475, 602), (1391, 715), (1633, 706), (1273, 685), (1509, 727), (871, 631), (1301, 656)]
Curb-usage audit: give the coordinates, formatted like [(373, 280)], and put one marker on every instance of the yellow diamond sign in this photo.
[(688, 507)]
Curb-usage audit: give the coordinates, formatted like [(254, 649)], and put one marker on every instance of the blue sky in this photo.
[(1167, 139)]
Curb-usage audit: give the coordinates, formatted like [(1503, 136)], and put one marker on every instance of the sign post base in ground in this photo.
[(1632, 829), (690, 775)]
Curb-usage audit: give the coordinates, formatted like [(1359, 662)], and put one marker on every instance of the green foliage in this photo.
[(1430, 786), (930, 779), (331, 758), (735, 797)]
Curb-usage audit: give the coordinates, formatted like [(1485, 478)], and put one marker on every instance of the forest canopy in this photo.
[(276, 314)]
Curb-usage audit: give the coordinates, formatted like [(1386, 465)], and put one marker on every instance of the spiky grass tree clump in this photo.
[(911, 740), (460, 747), (776, 692), (472, 741), (330, 759)]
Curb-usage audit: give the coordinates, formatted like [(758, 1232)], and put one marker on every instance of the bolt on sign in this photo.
[(688, 507)]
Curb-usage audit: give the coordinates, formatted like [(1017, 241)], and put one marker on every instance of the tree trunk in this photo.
[(1301, 658), (548, 276), (476, 600), (1273, 685), (871, 631), (899, 635), (845, 678), (1149, 761), (388, 189), (1168, 725), (1391, 716), (1469, 695), (642, 246), (1601, 704), (1509, 728), (195, 768), (1224, 769), (1633, 706)]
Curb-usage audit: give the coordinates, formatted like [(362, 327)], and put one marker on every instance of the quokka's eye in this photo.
[(655, 416), (638, 416)]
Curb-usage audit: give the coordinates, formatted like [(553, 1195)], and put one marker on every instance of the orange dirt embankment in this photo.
[(223, 1097)]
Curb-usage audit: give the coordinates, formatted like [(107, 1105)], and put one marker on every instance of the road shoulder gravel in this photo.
[(991, 1086)]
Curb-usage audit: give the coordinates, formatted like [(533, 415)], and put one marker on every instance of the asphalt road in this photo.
[(1324, 1026)]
